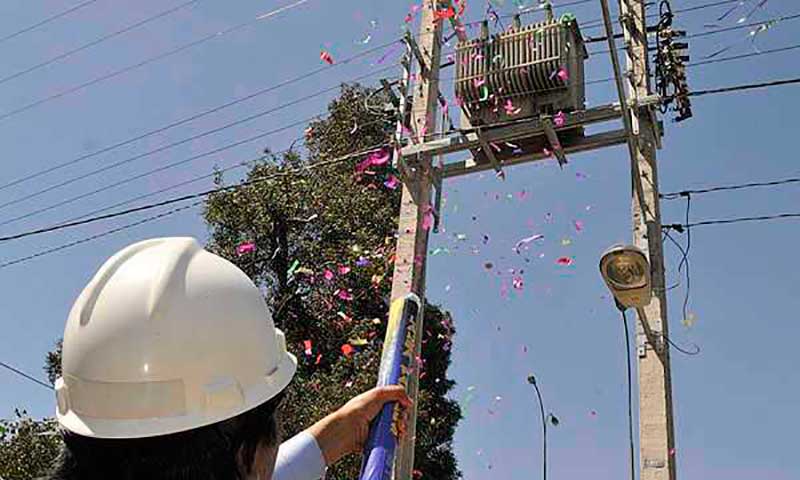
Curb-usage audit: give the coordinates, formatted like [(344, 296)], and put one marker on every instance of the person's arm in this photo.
[(306, 455), (299, 458)]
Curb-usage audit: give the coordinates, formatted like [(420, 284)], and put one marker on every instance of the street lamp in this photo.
[(626, 271)]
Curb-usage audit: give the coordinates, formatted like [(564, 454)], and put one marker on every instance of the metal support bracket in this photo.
[(487, 149), (552, 137), (387, 86), (437, 198), (417, 54)]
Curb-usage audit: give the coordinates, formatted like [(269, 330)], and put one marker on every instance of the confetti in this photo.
[(427, 218), (307, 345), (565, 242), (559, 119), (391, 182), (461, 237), (527, 240), (328, 274), (347, 350), (358, 342), (362, 262), (246, 247), (510, 109), (518, 283), (563, 74), (689, 321), (344, 269), (553, 419), (578, 225), (444, 14), (440, 250), (565, 261), (344, 295), (293, 268), (326, 57), (484, 93)]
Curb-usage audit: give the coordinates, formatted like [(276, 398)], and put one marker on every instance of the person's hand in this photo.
[(345, 431)]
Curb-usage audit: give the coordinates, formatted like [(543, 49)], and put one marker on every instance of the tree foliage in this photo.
[(28, 447)]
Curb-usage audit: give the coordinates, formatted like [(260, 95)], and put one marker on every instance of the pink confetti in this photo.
[(427, 218), (381, 157), (518, 283), (344, 295), (326, 57), (565, 261), (563, 74), (547, 153), (392, 182), (578, 225), (307, 344), (510, 109), (478, 82), (246, 247), (344, 269), (328, 275), (559, 119)]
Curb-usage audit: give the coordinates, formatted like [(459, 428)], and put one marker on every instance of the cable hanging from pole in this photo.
[(147, 61), (195, 116), (47, 20), (97, 41), (170, 145), (192, 196)]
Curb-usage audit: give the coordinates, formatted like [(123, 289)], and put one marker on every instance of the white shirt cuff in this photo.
[(299, 458)]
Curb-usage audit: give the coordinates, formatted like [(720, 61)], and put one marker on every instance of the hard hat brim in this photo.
[(257, 394)]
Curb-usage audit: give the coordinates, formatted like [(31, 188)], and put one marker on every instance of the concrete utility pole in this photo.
[(641, 132), (656, 429), (412, 241)]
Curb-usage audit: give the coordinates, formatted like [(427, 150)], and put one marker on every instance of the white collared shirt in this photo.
[(299, 458)]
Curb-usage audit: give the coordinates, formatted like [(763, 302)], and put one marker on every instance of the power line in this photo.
[(147, 61), (738, 88), (741, 186), (727, 221), (746, 55), (597, 23), (193, 117), (193, 196), (99, 235), (47, 20), (630, 393), (206, 133), (785, 18), (156, 170), (25, 375), (97, 41), (196, 179)]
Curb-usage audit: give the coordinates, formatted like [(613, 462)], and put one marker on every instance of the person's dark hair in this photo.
[(221, 451)]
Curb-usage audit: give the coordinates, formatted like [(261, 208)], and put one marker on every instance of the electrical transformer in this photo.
[(522, 72)]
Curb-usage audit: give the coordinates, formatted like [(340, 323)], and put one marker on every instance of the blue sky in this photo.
[(735, 402)]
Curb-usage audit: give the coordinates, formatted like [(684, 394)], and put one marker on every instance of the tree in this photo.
[(323, 243), (320, 246), (28, 447)]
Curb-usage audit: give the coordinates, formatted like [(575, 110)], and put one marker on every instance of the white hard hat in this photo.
[(167, 337)]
